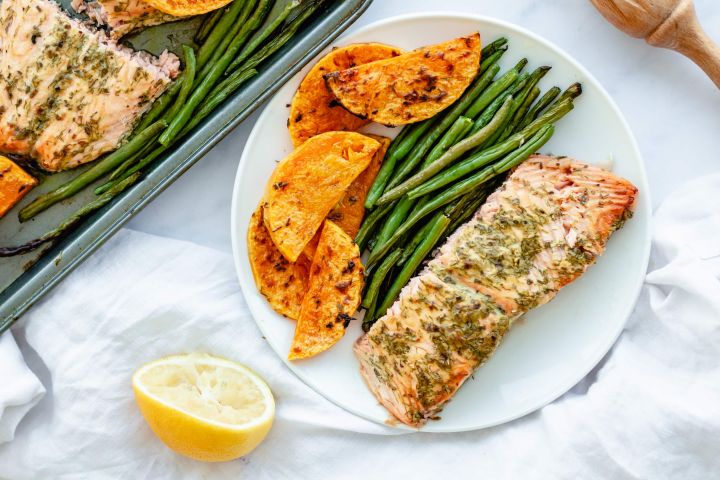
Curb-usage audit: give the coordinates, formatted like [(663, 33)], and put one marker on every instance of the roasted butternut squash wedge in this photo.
[(283, 283), (410, 87), (349, 212), (186, 8), (333, 295), (314, 109), (15, 183), (308, 183)]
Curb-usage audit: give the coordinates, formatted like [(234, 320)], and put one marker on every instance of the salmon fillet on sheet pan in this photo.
[(69, 94), (539, 231)]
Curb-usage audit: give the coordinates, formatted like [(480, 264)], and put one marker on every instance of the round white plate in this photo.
[(552, 347)]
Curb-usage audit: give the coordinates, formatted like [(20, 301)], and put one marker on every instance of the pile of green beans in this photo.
[(438, 172), (234, 42)]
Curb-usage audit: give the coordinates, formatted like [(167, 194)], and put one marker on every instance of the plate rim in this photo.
[(643, 186)]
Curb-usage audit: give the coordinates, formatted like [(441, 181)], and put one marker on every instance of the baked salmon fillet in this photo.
[(539, 231), (120, 17), (69, 94)]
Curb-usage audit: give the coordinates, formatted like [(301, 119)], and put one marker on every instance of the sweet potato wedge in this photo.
[(314, 109), (410, 87), (308, 183), (281, 282), (349, 212), (333, 296), (186, 8), (15, 183)]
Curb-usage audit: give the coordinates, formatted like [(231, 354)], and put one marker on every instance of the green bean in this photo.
[(219, 32), (544, 101), (519, 66), (70, 222), (369, 224), (369, 317), (159, 150), (519, 91), (395, 143), (573, 91), (100, 168), (372, 242), (378, 276), (266, 32), (519, 84), (207, 83), (439, 225), (160, 105), (239, 76), (416, 239), (117, 173), (400, 212), (457, 151), (491, 154), (415, 132), (492, 92), (493, 46), (454, 211), (396, 153), (520, 100), (186, 85), (241, 24), (516, 90), (457, 131), (216, 99), (522, 112), (386, 169), (464, 186), (472, 206), (280, 40), (226, 88), (489, 113), (208, 24), (492, 60)]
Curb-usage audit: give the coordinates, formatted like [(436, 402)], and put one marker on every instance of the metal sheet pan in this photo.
[(24, 279)]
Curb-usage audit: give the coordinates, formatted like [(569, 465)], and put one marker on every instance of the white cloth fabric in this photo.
[(651, 410), (20, 389)]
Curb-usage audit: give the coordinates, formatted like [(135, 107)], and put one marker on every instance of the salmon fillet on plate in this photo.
[(539, 231)]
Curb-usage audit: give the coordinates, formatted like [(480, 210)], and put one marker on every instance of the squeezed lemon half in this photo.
[(204, 407)]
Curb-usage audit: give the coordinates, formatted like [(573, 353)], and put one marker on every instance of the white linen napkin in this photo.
[(651, 410), (20, 389)]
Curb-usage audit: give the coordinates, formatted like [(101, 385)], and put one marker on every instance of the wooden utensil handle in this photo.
[(705, 53), (683, 33)]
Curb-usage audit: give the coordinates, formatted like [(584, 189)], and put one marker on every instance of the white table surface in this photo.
[(673, 109)]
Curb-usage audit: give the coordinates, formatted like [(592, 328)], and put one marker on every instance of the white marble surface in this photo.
[(671, 106)]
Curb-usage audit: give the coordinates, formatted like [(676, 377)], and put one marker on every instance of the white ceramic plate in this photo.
[(552, 347)]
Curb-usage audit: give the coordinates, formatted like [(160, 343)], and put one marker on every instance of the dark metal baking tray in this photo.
[(24, 279)]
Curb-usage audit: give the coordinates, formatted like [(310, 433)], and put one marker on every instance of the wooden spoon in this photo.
[(669, 24)]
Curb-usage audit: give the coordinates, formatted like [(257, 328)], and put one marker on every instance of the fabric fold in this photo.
[(650, 410)]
